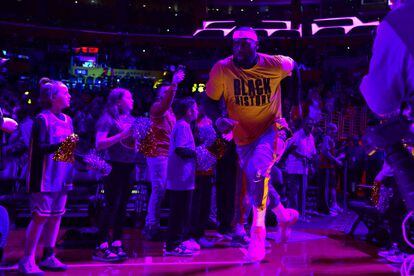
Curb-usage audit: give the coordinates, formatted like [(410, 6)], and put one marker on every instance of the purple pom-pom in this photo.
[(96, 163), (207, 135), (205, 160)]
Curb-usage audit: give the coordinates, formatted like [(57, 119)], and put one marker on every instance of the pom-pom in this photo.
[(66, 151), (143, 134), (207, 135), (96, 163), (375, 193), (140, 128), (205, 160), (381, 196)]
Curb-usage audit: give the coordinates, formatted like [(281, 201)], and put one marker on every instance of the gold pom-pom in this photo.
[(375, 193), (147, 145), (381, 196), (66, 151)]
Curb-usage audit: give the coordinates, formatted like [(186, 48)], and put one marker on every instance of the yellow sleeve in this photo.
[(284, 64), (215, 84)]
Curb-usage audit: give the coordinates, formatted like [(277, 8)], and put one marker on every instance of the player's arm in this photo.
[(287, 67), (213, 100)]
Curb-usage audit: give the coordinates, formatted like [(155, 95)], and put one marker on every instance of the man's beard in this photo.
[(245, 62)]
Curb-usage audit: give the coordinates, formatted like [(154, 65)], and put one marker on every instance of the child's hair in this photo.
[(114, 97), (47, 89), (182, 105)]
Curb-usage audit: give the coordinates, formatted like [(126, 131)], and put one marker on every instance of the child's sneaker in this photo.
[(52, 263), (104, 254), (180, 251), (192, 245), (28, 267), (117, 249)]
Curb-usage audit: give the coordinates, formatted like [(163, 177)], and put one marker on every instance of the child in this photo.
[(181, 177), (48, 180), (114, 135)]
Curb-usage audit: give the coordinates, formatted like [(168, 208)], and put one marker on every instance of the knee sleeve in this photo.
[(259, 188)]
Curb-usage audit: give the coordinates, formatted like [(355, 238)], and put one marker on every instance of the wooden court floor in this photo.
[(311, 251)]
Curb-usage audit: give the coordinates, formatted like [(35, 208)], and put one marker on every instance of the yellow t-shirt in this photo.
[(252, 96)]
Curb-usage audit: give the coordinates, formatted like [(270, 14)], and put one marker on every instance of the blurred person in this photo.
[(315, 109), (391, 205), (301, 151), (389, 85), (385, 90), (329, 161), (356, 159)]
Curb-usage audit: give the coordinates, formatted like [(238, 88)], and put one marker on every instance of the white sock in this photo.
[(259, 217)]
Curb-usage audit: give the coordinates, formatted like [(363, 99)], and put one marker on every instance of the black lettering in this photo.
[(250, 84), (259, 100), (237, 99), (237, 90), (243, 88), (246, 101), (266, 84), (259, 89)]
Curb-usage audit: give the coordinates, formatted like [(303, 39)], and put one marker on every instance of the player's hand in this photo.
[(281, 123), (228, 136), (225, 125), (282, 128), (9, 125)]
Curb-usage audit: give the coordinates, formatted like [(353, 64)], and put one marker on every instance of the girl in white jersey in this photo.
[(48, 180)]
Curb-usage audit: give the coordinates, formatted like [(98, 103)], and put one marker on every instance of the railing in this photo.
[(351, 122)]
